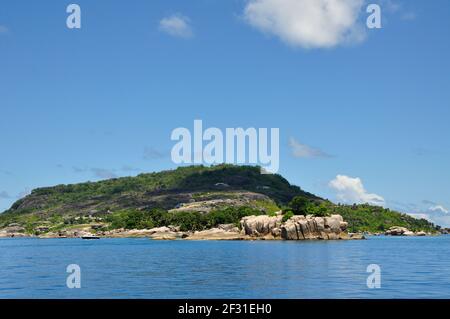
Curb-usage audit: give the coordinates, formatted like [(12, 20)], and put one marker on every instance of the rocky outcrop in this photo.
[(228, 227), (396, 231), (357, 236), (309, 227), (217, 234), (403, 231), (74, 233), (296, 228), (261, 226), (5, 234), (165, 232), (13, 230), (205, 203)]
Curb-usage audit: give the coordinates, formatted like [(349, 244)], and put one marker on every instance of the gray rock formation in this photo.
[(309, 227), (296, 228), (396, 231), (13, 230), (402, 231), (260, 226), (217, 234)]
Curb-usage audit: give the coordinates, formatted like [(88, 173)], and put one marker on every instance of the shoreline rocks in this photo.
[(216, 234), (13, 231), (260, 227), (309, 227), (298, 227), (403, 231)]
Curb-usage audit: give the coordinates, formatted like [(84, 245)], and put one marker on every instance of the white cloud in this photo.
[(438, 214), (304, 151), (176, 25), (351, 190), (439, 208), (308, 23)]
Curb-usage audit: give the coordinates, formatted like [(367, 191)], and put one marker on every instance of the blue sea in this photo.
[(410, 267)]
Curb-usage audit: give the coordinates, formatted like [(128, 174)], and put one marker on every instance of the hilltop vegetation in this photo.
[(155, 190), (193, 198)]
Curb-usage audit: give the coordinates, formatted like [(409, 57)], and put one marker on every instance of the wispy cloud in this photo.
[(300, 150), (106, 173), (25, 192), (439, 209), (128, 168), (5, 172), (427, 152), (391, 6), (151, 153), (437, 214), (408, 16), (4, 195), (398, 8), (97, 172), (77, 169), (428, 202), (430, 210), (103, 173), (308, 23), (350, 190), (177, 25), (3, 29)]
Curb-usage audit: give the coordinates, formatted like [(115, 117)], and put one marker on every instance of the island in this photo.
[(220, 202)]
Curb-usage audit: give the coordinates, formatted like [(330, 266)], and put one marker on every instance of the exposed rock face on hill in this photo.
[(229, 199)]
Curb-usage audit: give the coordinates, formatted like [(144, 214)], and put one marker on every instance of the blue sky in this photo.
[(102, 101)]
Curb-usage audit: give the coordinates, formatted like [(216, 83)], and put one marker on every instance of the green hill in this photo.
[(193, 197)]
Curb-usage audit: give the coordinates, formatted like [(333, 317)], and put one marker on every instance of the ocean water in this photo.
[(411, 267)]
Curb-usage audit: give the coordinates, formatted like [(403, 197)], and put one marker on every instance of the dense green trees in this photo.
[(187, 220), (365, 217), (300, 205)]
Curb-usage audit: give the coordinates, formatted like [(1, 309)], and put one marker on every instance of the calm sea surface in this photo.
[(412, 267)]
